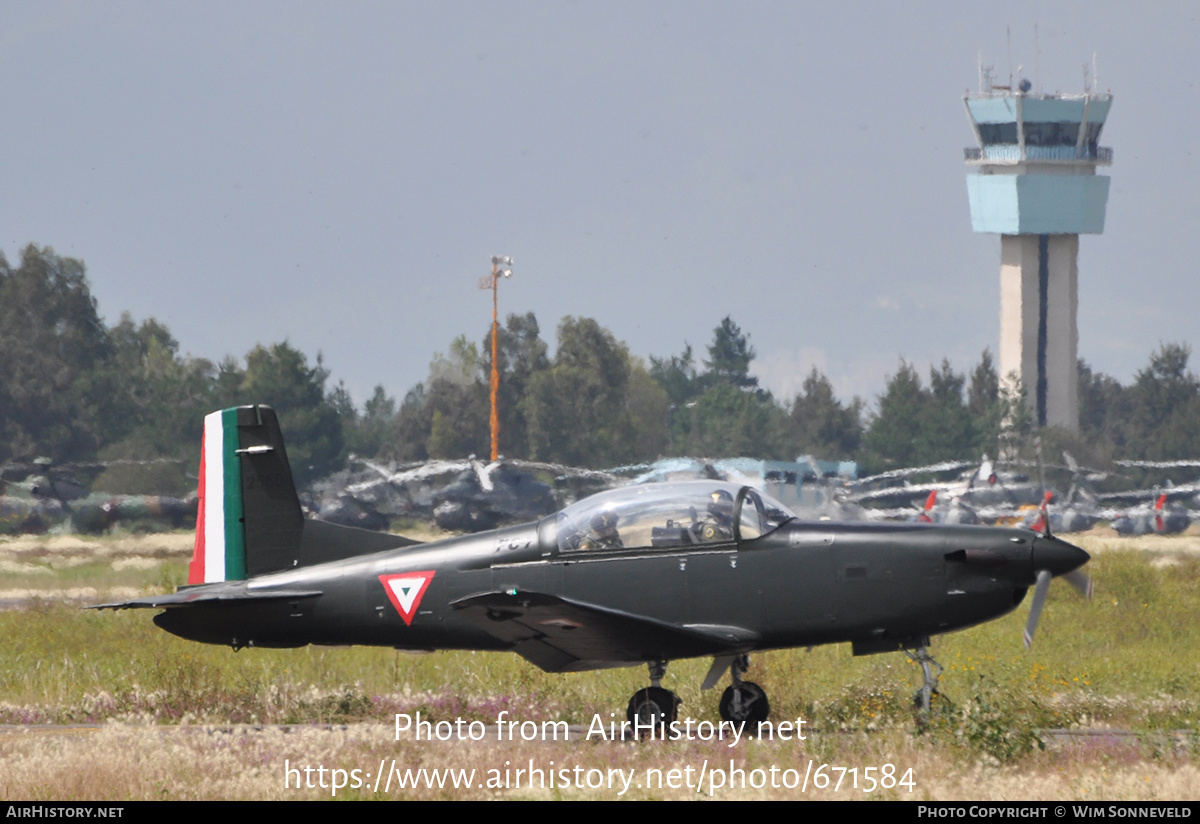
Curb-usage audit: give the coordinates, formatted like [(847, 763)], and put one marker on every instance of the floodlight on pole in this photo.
[(493, 281)]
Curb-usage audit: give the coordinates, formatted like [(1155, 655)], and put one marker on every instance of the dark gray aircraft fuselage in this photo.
[(647, 573), (879, 585)]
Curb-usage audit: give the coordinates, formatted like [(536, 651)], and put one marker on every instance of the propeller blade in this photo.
[(1080, 580), (1039, 601)]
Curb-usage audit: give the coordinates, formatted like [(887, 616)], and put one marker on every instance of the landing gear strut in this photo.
[(744, 701), (653, 708), (922, 700)]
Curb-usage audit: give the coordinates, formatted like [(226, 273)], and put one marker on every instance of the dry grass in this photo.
[(89, 570), (122, 763)]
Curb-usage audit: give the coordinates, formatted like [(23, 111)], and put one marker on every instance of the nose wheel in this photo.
[(743, 701)]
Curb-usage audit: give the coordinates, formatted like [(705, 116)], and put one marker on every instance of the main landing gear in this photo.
[(653, 708), (743, 701)]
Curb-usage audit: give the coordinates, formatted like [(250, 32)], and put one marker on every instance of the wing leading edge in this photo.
[(209, 593)]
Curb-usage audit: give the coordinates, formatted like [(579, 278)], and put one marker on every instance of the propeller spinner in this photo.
[(1054, 557)]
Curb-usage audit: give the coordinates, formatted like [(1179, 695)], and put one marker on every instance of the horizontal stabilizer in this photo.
[(561, 635), (321, 541)]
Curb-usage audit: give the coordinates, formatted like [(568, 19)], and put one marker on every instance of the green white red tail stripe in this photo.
[(220, 551)]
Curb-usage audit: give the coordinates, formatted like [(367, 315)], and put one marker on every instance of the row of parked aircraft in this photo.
[(472, 496)]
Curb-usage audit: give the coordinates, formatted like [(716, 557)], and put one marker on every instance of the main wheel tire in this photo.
[(651, 710), (746, 703)]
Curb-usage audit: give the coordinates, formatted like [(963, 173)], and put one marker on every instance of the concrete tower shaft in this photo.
[(1039, 283), (1034, 182)]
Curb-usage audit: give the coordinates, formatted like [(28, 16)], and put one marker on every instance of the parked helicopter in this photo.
[(982, 486), (1167, 515), (1159, 518), (639, 575), (953, 511), (39, 497), (457, 495)]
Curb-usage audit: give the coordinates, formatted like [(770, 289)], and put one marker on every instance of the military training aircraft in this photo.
[(639, 575)]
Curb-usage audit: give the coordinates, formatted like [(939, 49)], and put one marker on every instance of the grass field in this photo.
[(1127, 660)]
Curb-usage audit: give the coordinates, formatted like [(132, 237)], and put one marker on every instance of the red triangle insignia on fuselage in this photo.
[(405, 589)]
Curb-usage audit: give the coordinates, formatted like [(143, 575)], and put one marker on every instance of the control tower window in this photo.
[(996, 133), (1041, 134), (1051, 134)]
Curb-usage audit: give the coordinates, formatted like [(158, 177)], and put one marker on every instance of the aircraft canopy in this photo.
[(668, 515)]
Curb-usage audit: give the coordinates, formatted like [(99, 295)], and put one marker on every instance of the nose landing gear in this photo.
[(924, 699)]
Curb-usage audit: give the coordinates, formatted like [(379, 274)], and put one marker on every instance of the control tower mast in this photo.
[(1033, 181)]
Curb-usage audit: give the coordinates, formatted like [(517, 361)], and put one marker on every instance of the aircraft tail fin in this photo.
[(930, 503), (249, 521), (1042, 524)]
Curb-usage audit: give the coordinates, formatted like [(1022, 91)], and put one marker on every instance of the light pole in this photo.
[(493, 281)]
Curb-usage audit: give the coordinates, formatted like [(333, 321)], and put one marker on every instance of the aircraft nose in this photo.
[(1057, 556)]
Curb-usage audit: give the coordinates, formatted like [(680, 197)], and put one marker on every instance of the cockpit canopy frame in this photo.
[(668, 515)]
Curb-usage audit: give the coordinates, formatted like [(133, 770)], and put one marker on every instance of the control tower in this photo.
[(1033, 181)]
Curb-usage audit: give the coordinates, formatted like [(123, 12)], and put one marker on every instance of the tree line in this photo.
[(78, 390)]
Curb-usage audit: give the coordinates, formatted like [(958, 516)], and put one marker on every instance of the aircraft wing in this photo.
[(187, 596), (561, 635)]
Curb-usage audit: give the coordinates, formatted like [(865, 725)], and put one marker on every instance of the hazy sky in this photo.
[(340, 174)]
